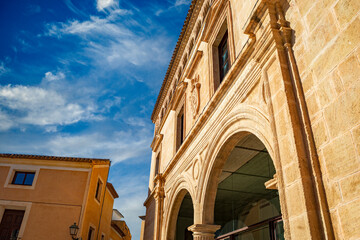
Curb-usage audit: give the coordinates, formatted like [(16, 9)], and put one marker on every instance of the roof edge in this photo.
[(53, 158), (175, 52)]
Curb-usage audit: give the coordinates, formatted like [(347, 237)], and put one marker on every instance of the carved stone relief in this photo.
[(194, 97)]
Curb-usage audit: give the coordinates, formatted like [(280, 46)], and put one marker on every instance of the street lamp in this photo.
[(73, 231)]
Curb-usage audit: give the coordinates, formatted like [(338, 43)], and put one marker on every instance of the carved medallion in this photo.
[(194, 97), (196, 169)]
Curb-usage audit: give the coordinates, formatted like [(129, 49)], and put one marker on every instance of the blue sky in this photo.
[(80, 78)]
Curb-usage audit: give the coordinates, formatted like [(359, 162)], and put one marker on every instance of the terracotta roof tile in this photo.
[(55, 158)]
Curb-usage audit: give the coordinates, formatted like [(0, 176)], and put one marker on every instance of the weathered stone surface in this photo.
[(350, 187), (340, 118), (342, 46), (346, 9), (350, 71), (320, 133), (356, 135), (298, 228), (340, 157), (350, 219)]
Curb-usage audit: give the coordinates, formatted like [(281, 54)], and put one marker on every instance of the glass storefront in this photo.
[(244, 208)]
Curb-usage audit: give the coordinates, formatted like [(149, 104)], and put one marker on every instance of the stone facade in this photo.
[(293, 83)]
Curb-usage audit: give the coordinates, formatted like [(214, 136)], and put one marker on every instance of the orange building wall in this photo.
[(105, 224), (48, 188), (48, 221), (93, 207), (54, 202)]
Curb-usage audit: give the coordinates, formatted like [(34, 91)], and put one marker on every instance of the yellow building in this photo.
[(257, 124), (42, 196)]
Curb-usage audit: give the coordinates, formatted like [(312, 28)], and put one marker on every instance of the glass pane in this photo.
[(279, 230), (262, 233), (242, 199), (19, 178), (224, 57), (29, 179)]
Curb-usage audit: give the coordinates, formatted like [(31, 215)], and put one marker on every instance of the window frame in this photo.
[(16, 173), (98, 190), (180, 127), (224, 42), (22, 168), (215, 32), (157, 165), (92, 231)]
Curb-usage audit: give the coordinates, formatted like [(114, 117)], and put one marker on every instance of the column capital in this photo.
[(204, 231)]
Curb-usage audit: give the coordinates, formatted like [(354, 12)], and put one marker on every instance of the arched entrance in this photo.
[(185, 219), (244, 207)]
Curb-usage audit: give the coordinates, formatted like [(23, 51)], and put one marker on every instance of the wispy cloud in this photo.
[(119, 146), (114, 39), (73, 8), (181, 2), (3, 69), (37, 106), (174, 5), (131, 198)]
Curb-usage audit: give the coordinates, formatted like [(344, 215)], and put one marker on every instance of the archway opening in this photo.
[(244, 207), (185, 219)]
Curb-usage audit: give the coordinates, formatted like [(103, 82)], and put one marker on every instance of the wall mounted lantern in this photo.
[(73, 231)]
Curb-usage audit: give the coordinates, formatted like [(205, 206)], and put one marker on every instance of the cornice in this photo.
[(177, 54)]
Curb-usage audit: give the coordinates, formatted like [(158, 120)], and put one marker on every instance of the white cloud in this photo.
[(49, 76), (101, 4), (181, 2), (38, 106), (120, 146), (110, 42), (131, 198)]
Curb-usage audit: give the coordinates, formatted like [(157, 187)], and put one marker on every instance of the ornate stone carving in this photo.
[(194, 97), (196, 169)]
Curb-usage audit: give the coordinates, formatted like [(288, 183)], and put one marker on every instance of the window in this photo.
[(180, 136), (102, 237), (23, 178), (224, 62), (98, 190), (91, 233), (157, 163)]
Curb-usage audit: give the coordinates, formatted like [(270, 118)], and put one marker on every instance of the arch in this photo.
[(245, 120), (181, 187)]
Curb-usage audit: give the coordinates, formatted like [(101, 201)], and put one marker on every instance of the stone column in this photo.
[(203, 231)]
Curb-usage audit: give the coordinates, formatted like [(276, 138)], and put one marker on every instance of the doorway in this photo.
[(10, 224)]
